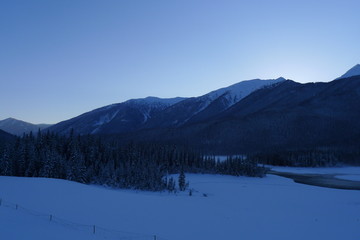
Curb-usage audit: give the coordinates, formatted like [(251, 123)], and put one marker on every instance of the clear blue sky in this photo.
[(61, 58)]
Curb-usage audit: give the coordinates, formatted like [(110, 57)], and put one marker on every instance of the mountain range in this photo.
[(249, 116), (152, 112)]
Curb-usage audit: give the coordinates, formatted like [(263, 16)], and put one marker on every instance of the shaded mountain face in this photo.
[(117, 118), (137, 114), (288, 115), (18, 127), (5, 135), (5, 138)]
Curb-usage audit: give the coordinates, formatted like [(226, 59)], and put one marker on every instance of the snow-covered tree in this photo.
[(182, 181)]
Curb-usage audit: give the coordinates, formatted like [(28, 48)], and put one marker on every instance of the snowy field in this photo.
[(235, 208)]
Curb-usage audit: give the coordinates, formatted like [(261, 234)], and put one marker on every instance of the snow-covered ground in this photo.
[(235, 208)]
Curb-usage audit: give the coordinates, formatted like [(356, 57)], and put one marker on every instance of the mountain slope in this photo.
[(18, 127), (201, 108), (115, 118)]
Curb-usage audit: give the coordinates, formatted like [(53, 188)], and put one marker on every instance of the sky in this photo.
[(59, 59)]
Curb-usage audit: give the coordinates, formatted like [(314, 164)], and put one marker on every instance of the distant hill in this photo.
[(18, 127)]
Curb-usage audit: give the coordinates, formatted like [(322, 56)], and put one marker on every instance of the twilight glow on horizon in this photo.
[(59, 59)]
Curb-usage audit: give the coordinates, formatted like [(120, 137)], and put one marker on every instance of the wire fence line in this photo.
[(96, 230)]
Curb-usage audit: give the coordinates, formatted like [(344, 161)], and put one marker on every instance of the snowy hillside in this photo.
[(234, 208), (354, 71), (232, 94), (238, 91), (144, 105)]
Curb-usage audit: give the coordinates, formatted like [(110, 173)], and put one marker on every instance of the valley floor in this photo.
[(222, 207)]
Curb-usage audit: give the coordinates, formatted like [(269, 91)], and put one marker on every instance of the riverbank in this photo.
[(321, 180)]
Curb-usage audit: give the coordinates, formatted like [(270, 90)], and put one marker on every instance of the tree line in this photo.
[(314, 157), (97, 160)]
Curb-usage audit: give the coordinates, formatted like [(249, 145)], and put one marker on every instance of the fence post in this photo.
[(94, 229), (50, 218), (155, 237), (16, 207), (0, 201)]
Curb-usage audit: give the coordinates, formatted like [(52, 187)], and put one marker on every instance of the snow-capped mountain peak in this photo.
[(354, 71), (239, 90)]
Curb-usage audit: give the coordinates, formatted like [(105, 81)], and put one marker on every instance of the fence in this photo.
[(97, 231)]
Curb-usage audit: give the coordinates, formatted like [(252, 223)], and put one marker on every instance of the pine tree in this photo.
[(171, 185), (182, 182), (6, 166)]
